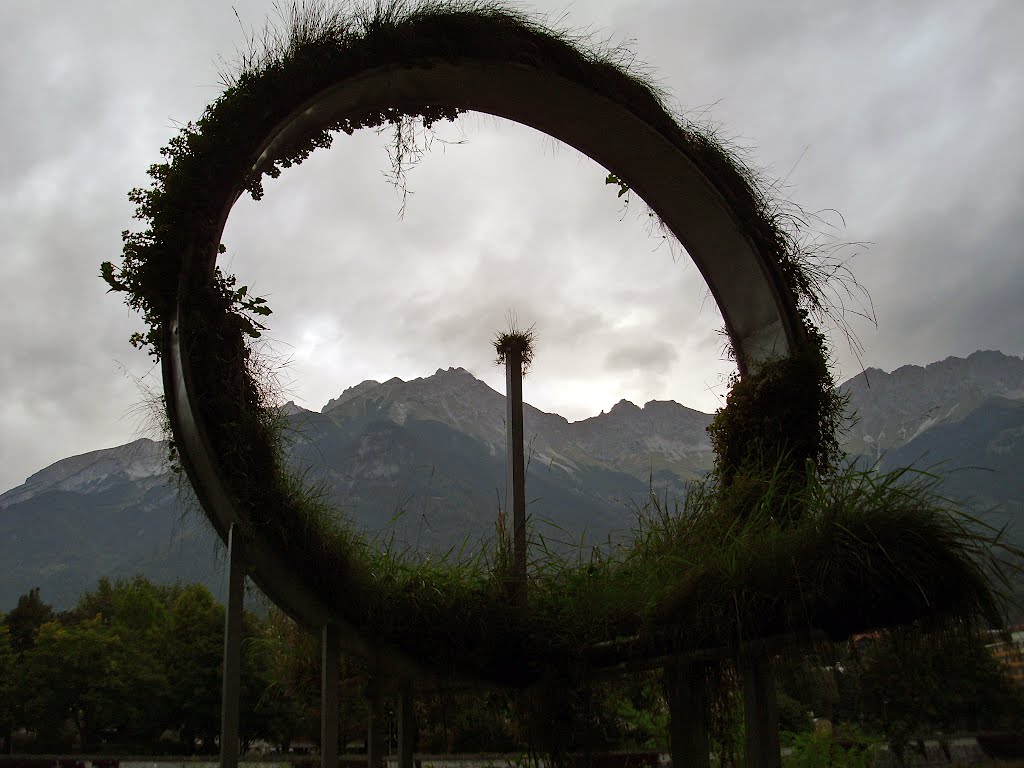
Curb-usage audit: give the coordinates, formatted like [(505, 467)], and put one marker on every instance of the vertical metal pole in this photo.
[(329, 643), (406, 729), (375, 728), (761, 713), (232, 671), (685, 688), (515, 480)]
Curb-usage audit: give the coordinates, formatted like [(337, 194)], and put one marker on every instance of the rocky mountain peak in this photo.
[(434, 447), (624, 408), (141, 460), (887, 410), (455, 372), (988, 372), (352, 392), (670, 408), (291, 409), (447, 382)]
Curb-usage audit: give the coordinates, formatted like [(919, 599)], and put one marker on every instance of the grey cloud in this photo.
[(905, 117), (653, 356)]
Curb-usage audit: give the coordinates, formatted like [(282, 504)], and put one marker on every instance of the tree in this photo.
[(136, 612), (913, 682), (74, 675), (806, 684), (280, 680), (7, 686), (26, 619), (193, 656), (99, 602)]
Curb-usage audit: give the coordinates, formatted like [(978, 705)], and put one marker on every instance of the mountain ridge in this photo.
[(145, 456), (429, 454), (891, 409)]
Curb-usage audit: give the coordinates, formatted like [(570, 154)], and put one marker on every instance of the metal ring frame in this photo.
[(759, 311)]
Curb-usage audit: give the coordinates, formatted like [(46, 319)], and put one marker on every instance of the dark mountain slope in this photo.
[(424, 461)]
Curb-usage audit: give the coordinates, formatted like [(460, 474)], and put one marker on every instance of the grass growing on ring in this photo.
[(871, 549)]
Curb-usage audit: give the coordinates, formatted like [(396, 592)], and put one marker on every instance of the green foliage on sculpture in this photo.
[(787, 410), (217, 158), (778, 421)]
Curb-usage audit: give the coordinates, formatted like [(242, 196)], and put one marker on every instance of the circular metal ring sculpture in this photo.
[(433, 64)]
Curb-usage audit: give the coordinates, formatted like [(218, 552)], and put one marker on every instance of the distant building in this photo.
[(1008, 649)]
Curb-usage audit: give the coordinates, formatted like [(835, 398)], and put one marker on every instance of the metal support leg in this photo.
[(685, 688), (375, 728), (761, 713), (329, 643), (232, 675), (406, 729)]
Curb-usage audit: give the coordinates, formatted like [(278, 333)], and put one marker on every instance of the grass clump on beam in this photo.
[(870, 550)]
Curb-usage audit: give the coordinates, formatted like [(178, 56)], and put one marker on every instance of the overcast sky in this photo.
[(905, 117)]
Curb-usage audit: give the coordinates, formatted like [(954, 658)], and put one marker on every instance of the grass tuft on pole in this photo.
[(514, 339)]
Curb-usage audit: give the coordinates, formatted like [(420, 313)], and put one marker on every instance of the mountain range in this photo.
[(421, 463)]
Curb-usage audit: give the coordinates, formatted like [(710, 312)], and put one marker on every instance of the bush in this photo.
[(810, 750)]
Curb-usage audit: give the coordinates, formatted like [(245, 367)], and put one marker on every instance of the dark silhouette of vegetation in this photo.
[(27, 616), (134, 668), (9, 692), (908, 682), (132, 662)]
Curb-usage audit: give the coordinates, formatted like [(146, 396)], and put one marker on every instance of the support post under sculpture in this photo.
[(375, 724), (686, 692), (406, 728), (330, 643), (761, 713), (232, 675)]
